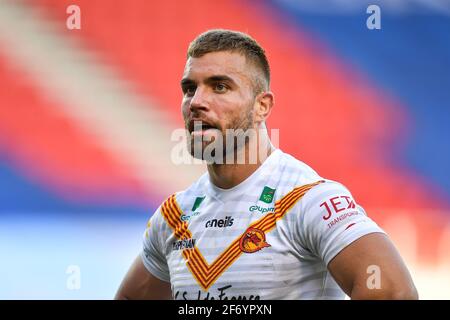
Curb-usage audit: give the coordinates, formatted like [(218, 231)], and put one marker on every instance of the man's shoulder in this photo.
[(294, 173), (305, 174), (293, 165), (325, 189)]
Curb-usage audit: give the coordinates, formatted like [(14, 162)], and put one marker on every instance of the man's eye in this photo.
[(190, 91), (220, 87)]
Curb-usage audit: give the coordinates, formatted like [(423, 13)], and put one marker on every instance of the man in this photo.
[(265, 229)]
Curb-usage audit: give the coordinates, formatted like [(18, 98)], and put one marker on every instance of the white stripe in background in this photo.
[(92, 94)]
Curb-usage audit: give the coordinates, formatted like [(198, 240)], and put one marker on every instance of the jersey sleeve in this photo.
[(330, 220), (152, 254)]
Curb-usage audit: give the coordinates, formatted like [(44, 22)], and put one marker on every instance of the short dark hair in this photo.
[(227, 40)]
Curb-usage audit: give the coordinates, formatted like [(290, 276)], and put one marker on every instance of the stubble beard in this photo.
[(233, 136)]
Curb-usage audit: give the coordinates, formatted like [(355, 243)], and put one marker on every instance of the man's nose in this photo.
[(199, 101)]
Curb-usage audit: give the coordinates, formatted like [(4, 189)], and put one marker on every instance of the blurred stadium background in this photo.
[(86, 117)]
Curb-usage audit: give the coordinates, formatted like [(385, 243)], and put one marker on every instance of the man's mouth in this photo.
[(198, 126)]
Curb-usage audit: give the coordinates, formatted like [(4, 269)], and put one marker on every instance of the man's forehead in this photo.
[(232, 64)]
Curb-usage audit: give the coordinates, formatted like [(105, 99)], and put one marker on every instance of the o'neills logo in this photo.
[(253, 240)]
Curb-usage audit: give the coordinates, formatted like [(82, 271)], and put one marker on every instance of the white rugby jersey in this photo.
[(270, 237)]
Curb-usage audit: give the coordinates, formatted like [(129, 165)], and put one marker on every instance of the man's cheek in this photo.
[(185, 110)]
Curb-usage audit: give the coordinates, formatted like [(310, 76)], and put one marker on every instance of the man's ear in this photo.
[(264, 103)]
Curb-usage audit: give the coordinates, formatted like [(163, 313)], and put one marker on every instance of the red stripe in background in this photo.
[(53, 151), (329, 116)]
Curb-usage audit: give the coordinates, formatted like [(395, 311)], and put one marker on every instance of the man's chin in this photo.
[(217, 150), (197, 150)]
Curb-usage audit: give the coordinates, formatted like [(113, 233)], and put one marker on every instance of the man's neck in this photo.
[(227, 176)]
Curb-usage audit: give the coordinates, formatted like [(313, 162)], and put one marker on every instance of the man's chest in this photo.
[(236, 250)]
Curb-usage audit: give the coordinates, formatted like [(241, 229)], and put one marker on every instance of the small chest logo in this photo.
[(267, 195), (197, 203), (187, 217), (253, 240), (220, 223)]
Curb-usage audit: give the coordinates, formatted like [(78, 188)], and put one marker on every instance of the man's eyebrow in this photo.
[(186, 81), (218, 78)]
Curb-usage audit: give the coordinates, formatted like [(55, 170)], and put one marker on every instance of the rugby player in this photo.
[(268, 229)]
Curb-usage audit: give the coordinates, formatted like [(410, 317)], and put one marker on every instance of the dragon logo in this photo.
[(253, 240)]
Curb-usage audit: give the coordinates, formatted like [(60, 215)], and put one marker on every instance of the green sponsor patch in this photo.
[(267, 195), (197, 203)]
